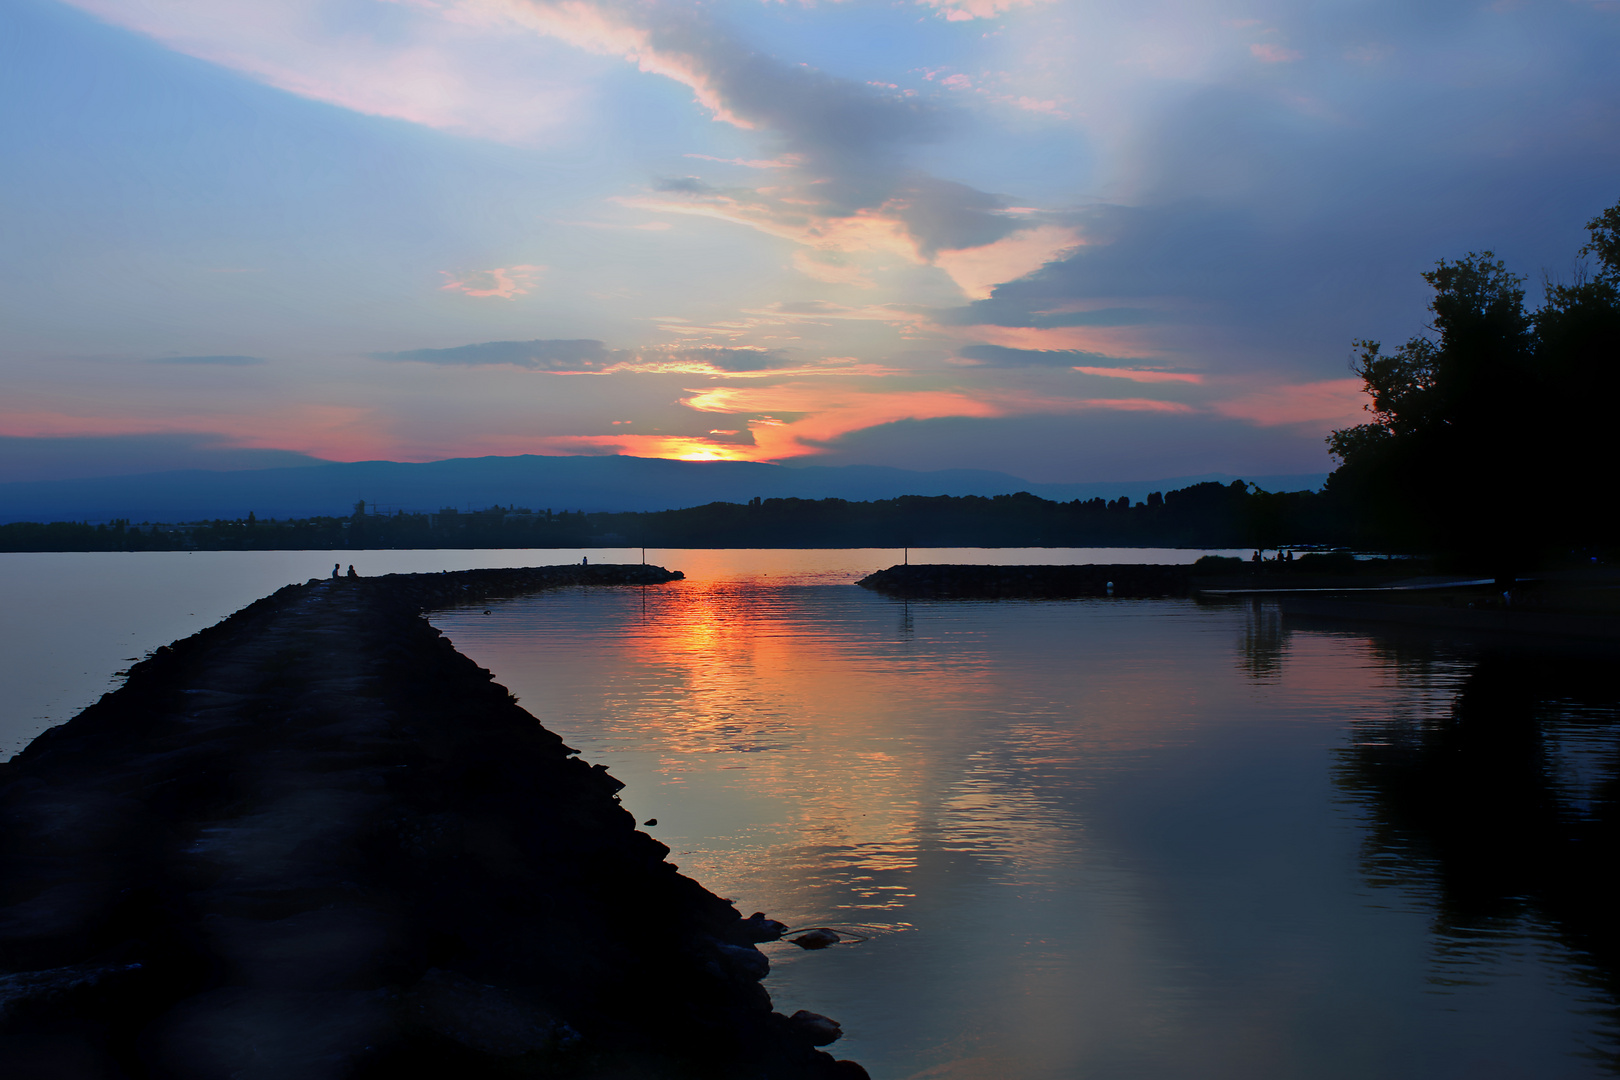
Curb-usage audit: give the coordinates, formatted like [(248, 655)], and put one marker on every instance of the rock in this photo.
[(650, 822), (485, 1018), (819, 938), (19, 990), (759, 928), (818, 1030), (744, 960), (316, 841)]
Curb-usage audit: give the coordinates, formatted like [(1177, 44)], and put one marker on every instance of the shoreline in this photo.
[(315, 840)]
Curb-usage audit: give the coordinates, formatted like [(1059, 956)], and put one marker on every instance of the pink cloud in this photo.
[(786, 161), (505, 282), (964, 10), (978, 270), (1134, 405), (1123, 342), (1333, 401), (1269, 53), (1142, 375)]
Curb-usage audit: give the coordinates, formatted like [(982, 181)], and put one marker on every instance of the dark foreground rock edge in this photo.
[(315, 841)]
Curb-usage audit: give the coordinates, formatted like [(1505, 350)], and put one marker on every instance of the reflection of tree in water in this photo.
[(1265, 640), (1508, 797)]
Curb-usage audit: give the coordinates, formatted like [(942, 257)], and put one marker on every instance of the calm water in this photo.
[(70, 621), (1128, 839), (1099, 838)]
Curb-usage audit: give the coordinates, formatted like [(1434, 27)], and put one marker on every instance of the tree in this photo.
[(1493, 406)]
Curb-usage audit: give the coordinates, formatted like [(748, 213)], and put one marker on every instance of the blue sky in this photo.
[(1070, 241)]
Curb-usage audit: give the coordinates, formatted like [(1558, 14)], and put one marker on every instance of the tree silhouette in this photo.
[(1486, 440)]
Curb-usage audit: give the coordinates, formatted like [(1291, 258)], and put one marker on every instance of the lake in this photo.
[(69, 621), (1096, 838)]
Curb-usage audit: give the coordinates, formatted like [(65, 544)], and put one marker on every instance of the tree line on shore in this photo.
[(1491, 437), (1203, 515)]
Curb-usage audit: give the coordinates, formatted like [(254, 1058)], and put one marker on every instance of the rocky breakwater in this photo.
[(315, 841), (946, 581)]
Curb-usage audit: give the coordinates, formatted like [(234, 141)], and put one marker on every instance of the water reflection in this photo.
[(1501, 802), (1264, 644), (1097, 838)]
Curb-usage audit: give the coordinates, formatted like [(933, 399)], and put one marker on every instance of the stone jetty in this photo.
[(948, 581), (315, 841)]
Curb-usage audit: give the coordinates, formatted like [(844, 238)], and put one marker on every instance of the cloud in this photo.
[(67, 457), (1116, 343), (832, 267), (569, 355), (333, 432), (826, 412), (504, 282), (431, 63), (1271, 53), (1332, 402), (1099, 445), (1141, 375), (677, 447), (963, 10), (590, 357), (750, 163), (795, 419), (1001, 356), (839, 146), (217, 361), (978, 270)]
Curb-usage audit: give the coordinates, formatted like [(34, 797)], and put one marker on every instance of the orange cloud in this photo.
[(675, 447), (505, 282), (1123, 342), (977, 271), (785, 213), (1142, 375), (829, 412), (1336, 401)]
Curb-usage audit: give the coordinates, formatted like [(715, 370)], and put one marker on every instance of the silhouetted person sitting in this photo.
[(335, 568), (351, 571)]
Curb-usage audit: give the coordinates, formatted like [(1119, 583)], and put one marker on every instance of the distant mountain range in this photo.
[(612, 483)]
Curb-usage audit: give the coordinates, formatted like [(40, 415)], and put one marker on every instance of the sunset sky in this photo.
[(1072, 241)]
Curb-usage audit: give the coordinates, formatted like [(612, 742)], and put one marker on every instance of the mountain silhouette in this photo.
[(599, 483)]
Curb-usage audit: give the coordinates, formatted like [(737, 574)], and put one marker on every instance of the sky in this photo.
[(1072, 241)]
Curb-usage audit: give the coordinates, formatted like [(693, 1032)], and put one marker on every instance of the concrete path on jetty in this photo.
[(314, 841)]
